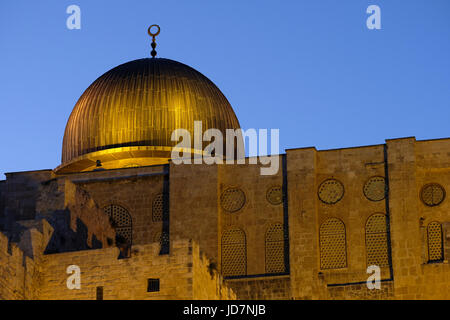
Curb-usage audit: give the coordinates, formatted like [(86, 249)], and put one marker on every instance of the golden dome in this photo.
[(126, 117)]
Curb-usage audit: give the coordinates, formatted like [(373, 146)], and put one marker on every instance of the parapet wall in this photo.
[(128, 278), (208, 283), (12, 271), (78, 221), (20, 276), (185, 273), (21, 191)]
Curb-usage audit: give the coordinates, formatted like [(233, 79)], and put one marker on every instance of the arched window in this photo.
[(377, 240), (434, 232), (333, 249), (275, 249), (234, 253), (122, 223)]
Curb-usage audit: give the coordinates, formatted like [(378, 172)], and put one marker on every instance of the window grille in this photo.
[(234, 256), (157, 208), (122, 222), (377, 240), (333, 248), (232, 199), (375, 189), (435, 252), (331, 191), (275, 249), (152, 285), (432, 194), (275, 195)]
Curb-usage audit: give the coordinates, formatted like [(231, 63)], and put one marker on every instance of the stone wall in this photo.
[(413, 164), (12, 271), (196, 212), (410, 165), (194, 206), (256, 216), (303, 238), (20, 276), (127, 278), (262, 288), (185, 273), (361, 292), (307, 170), (22, 191), (78, 221), (134, 189), (208, 283)]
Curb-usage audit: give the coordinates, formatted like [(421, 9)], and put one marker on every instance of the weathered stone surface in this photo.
[(193, 209)]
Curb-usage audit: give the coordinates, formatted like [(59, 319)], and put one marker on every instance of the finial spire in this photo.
[(153, 35)]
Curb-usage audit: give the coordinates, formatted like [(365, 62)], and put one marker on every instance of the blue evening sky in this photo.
[(308, 67)]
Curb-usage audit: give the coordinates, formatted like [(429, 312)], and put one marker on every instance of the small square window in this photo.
[(153, 285)]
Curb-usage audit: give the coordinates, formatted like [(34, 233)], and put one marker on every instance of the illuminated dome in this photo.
[(126, 117)]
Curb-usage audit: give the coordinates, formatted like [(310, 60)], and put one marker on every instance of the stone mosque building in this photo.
[(139, 226)]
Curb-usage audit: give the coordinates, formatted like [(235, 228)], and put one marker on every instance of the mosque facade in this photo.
[(119, 219)]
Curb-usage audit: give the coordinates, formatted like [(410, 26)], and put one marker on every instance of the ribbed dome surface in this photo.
[(139, 104)]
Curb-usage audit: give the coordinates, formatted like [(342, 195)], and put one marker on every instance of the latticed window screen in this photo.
[(375, 189), (275, 249), (157, 208), (377, 240), (333, 249), (432, 194), (234, 256), (275, 195), (232, 199), (331, 191), (434, 231), (122, 221)]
